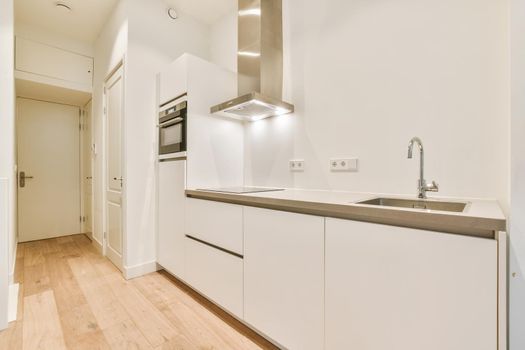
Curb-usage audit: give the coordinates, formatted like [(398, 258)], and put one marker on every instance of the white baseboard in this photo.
[(13, 266), (140, 270), (134, 271), (12, 307), (97, 245)]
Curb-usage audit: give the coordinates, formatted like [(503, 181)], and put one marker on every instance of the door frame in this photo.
[(92, 161), (119, 66), (4, 251), (17, 116)]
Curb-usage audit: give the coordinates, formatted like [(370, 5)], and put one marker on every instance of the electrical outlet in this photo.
[(343, 164), (296, 165)]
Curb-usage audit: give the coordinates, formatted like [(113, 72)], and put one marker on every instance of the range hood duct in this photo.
[(259, 63)]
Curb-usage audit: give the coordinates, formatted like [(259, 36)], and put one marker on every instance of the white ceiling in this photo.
[(207, 11), (84, 22), (51, 93), (87, 17)]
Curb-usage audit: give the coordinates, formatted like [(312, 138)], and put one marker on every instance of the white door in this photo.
[(87, 175), (49, 171), (114, 97)]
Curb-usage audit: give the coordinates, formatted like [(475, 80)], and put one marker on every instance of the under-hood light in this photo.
[(249, 53), (252, 107), (256, 118), (276, 110), (250, 12)]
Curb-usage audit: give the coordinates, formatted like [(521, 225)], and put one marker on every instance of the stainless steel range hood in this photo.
[(259, 63)]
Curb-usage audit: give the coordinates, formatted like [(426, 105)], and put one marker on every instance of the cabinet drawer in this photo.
[(217, 223), (216, 274)]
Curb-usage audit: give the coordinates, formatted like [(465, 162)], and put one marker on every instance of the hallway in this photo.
[(71, 297)]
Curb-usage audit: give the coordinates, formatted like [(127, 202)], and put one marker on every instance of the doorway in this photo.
[(48, 146), (114, 181)]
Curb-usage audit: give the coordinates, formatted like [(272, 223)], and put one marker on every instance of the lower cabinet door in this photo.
[(216, 274), (393, 288), (171, 203), (284, 276)]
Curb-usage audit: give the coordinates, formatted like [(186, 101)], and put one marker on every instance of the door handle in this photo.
[(89, 177), (23, 178), (119, 179)]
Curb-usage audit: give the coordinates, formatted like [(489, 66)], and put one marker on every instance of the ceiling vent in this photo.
[(62, 6)]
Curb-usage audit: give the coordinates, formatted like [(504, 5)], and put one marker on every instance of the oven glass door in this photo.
[(171, 137)]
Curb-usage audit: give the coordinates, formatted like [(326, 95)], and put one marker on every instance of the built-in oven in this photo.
[(172, 127)]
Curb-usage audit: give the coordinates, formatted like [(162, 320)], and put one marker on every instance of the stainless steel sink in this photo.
[(457, 207)]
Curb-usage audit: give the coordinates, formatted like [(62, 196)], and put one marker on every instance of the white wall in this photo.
[(149, 40), (7, 154), (269, 145), (223, 45), (367, 76), (154, 41), (109, 49), (517, 217)]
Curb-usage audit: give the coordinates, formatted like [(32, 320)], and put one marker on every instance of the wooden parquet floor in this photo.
[(71, 297)]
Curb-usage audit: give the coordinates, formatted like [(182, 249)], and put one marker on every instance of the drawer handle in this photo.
[(215, 246)]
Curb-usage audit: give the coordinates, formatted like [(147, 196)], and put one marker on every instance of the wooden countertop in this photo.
[(481, 218)]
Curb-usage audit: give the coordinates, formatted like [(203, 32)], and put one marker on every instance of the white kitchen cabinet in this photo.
[(171, 204), (214, 145), (48, 61), (217, 223), (283, 276), (393, 288), (173, 81), (216, 274)]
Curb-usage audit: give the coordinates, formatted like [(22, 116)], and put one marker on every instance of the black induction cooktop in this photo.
[(241, 189)]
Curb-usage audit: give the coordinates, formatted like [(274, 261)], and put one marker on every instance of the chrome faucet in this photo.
[(422, 186)]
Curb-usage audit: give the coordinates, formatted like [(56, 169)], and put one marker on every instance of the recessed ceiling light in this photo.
[(64, 7)]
